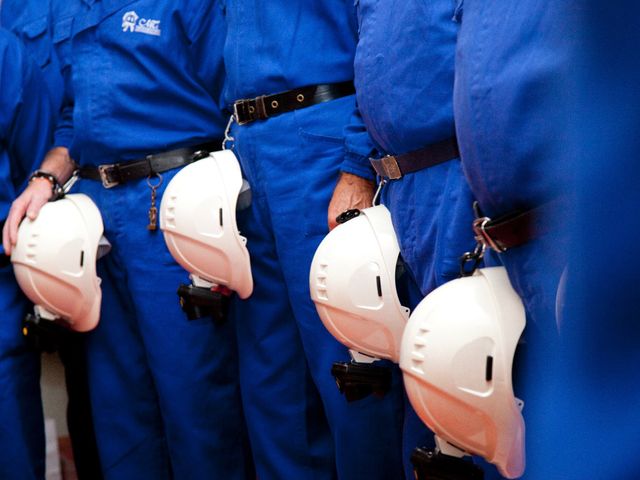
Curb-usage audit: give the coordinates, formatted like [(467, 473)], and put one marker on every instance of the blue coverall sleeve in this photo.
[(26, 112), (358, 148), (63, 135), (64, 128), (205, 27)]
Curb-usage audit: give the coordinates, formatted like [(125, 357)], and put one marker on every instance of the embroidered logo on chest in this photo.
[(131, 22)]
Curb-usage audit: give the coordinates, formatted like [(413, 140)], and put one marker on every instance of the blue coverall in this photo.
[(513, 62), (26, 125), (596, 420), (404, 71), (145, 77), (31, 21), (299, 424)]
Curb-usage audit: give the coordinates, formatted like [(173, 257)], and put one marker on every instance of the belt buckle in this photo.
[(104, 175), (483, 237), (247, 110), (244, 111), (391, 167), (235, 112)]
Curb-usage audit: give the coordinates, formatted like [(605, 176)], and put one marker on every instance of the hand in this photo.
[(37, 193), (351, 192), (29, 203)]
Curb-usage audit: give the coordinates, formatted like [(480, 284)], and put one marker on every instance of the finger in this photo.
[(332, 222), (35, 205), (332, 213), (16, 213), (5, 240)]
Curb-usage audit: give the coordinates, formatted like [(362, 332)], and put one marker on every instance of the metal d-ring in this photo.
[(157, 185)]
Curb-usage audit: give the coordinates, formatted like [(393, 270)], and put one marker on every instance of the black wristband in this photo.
[(57, 191)]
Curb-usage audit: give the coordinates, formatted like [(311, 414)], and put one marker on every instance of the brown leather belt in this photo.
[(249, 110), (518, 228), (393, 167), (116, 173)]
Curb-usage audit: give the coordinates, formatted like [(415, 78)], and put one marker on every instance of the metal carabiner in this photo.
[(227, 134), (472, 258), (376, 197), (71, 182)]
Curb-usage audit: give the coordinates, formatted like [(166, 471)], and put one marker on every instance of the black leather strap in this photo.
[(114, 174), (265, 106), (393, 167), (517, 228)]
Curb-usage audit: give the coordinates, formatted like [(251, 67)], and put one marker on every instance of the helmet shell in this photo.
[(457, 359), (54, 260), (352, 282), (198, 219)]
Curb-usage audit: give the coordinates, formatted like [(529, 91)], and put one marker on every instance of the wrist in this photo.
[(352, 178), (41, 176)]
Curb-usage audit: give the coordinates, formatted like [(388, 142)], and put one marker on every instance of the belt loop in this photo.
[(149, 158), (261, 109), (391, 167)]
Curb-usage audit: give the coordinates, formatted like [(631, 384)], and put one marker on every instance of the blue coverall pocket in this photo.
[(36, 37), (316, 137), (321, 156)]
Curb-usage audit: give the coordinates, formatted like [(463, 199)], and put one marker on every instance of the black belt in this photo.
[(517, 228), (393, 167), (116, 173), (260, 108)]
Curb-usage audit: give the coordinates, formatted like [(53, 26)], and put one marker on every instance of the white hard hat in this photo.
[(457, 358), (353, 285), (198, 218), (54, 261)]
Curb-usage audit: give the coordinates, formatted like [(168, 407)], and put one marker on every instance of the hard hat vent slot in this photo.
[(81, 258), (221, 217), (489, 369), (379, 285)]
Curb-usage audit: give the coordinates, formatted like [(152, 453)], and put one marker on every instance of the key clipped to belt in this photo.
[(153, 210)]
